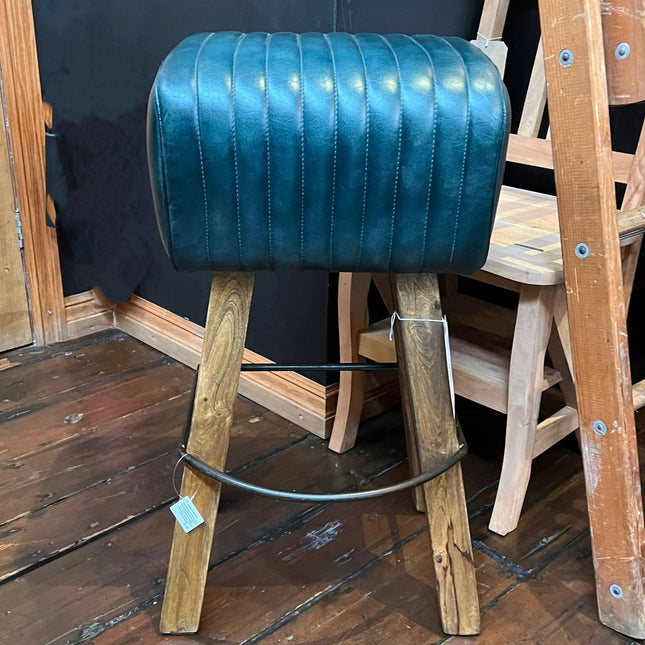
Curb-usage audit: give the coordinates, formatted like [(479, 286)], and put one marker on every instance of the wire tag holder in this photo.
[(184, 509), (446, 341)]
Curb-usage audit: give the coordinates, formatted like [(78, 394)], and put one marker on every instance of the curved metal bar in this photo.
[(431, 473), (323, 367)]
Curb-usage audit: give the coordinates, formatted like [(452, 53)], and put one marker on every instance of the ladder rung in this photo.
[(631, 222), (638, 393)]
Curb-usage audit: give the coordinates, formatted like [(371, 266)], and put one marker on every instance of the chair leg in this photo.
[(352, 318), (526, 373), (217, 383), (423, 376)]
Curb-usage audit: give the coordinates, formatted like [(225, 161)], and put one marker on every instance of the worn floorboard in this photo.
[(88, 437)]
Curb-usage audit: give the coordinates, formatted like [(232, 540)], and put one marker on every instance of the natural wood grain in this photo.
[(560, 602), (634, 199), (532, 331), (623, 22), (245, 592), (26, 124), (483, 316), (39, 353), (496, 281), (631, 221), (88, 514), (297, 398), (545, 527), (556, 427), (15, 327), (539, 588), (387, 604), (119, 461), (480, 361), (129, 564), (352, 318), (493, 17), (373, 596), (85, 314), (26, 388), (217, 383), (535, 100), (539, 153), (586, 205), (525, 243), (80, 409), (428, 410), (292, 395)]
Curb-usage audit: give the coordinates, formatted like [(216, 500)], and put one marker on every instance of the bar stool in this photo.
[(334, 152)]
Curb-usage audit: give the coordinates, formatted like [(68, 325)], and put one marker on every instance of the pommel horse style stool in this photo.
[(339, 152)]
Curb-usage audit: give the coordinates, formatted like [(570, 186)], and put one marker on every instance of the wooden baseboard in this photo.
[(87, 313), (295, 397)]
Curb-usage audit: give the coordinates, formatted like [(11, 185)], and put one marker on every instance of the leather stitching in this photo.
[(398, 153), (333, 179), (367, 150), (162, 161), (301, 88), (198, 128), (432, 152), (268, 143), (235, 164), (463, 163)]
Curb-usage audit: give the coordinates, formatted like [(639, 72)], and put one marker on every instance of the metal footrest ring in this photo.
[(434, 471)]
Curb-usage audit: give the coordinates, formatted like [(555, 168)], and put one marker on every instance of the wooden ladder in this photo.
[(579, 95)]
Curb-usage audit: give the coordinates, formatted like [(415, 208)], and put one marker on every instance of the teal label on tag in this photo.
[(186, 514)]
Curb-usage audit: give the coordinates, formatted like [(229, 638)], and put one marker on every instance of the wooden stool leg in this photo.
[(352, 318), (219, 374), (526, 374), (423, 376)]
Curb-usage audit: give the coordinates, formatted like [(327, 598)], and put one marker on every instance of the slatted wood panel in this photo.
[(526, 238)]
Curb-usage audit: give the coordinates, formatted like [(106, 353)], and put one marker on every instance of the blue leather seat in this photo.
[(335, 152)]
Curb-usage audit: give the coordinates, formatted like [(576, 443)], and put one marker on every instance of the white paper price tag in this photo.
[(186, 514)]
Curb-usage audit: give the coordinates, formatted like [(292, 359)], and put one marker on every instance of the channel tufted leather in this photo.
[(335, 152)]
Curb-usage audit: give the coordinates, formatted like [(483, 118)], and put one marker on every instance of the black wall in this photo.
[(98, 59)]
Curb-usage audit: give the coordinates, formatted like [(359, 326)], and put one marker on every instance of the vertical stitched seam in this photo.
[(398, 153), (367, 148), (268, 150), (164, 178), (235, 164), (301, 89), (199, 145), (493, 205), (334, 166), (463, 163), (434, 143)]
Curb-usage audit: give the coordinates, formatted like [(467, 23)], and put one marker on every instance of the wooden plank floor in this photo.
[(88, 431)]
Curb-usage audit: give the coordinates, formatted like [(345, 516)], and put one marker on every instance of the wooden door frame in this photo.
[(22, 91)]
